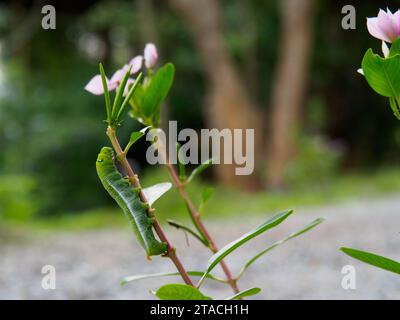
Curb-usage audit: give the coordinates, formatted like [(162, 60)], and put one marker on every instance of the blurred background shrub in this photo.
[(51, 129)]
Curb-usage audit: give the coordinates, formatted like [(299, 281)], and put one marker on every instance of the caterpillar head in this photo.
[(106, 155)]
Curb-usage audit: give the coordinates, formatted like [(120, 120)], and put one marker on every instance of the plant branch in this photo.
[(195, 215), (171, 251)]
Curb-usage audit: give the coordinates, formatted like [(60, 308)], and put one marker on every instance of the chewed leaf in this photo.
[(308, 227), (155, 192), (177, 291), (128, 279), (244, 293), (373, 259), (221, 254)]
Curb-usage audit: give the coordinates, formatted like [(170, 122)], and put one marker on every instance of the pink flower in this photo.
[(386, 26), (150, 55), (136, 64), (95, 85)]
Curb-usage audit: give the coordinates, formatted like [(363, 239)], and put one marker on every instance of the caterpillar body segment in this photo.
[(127, 197)]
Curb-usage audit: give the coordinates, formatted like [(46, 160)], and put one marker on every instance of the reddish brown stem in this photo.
[(198, 222), (171, 251)]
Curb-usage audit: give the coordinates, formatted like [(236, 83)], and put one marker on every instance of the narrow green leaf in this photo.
[(383, 75), (244, 293), (117, 101), (373, 259), (206, 194), (221, 254), (193, 233), (308, 227), (182, 167), (200, 169), (178, 291), (128, 279), (106, 93), (153, 193), (130, 94)]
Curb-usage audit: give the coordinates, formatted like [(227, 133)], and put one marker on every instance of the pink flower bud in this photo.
[(150, 55)]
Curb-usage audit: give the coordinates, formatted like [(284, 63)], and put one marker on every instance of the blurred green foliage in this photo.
[(51, 129), (317, 162), (16, 197)]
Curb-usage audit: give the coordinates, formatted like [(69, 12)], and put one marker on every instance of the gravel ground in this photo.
[(90, 264)]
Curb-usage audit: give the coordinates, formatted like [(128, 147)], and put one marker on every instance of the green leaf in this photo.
[(193, 233), (136, 102), (130, 94), (373, 259), (308, 227), (200, 169), (135, 136), (153, 193), (221, 254), (177, 291), (206, 194), (152, 93), (117, 101), (128, 279), (244, 293), (383, 75), (106, 93), (395, 48), (394, 104)]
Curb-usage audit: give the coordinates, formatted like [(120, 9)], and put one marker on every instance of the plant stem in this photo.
[(171, 251), (196, 218)]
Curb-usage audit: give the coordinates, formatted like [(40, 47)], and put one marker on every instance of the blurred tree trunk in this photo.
[(290, 87), (228, 104)]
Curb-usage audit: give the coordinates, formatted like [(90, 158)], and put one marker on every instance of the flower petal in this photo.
[(375, 30), (360, 71), (95, 85), (129, 83), (136, 64), (387, 25), (385, 49), (150, 55), (396, 21), (118, 75)]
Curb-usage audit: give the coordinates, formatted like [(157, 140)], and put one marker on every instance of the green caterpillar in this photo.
[(128, 199)]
